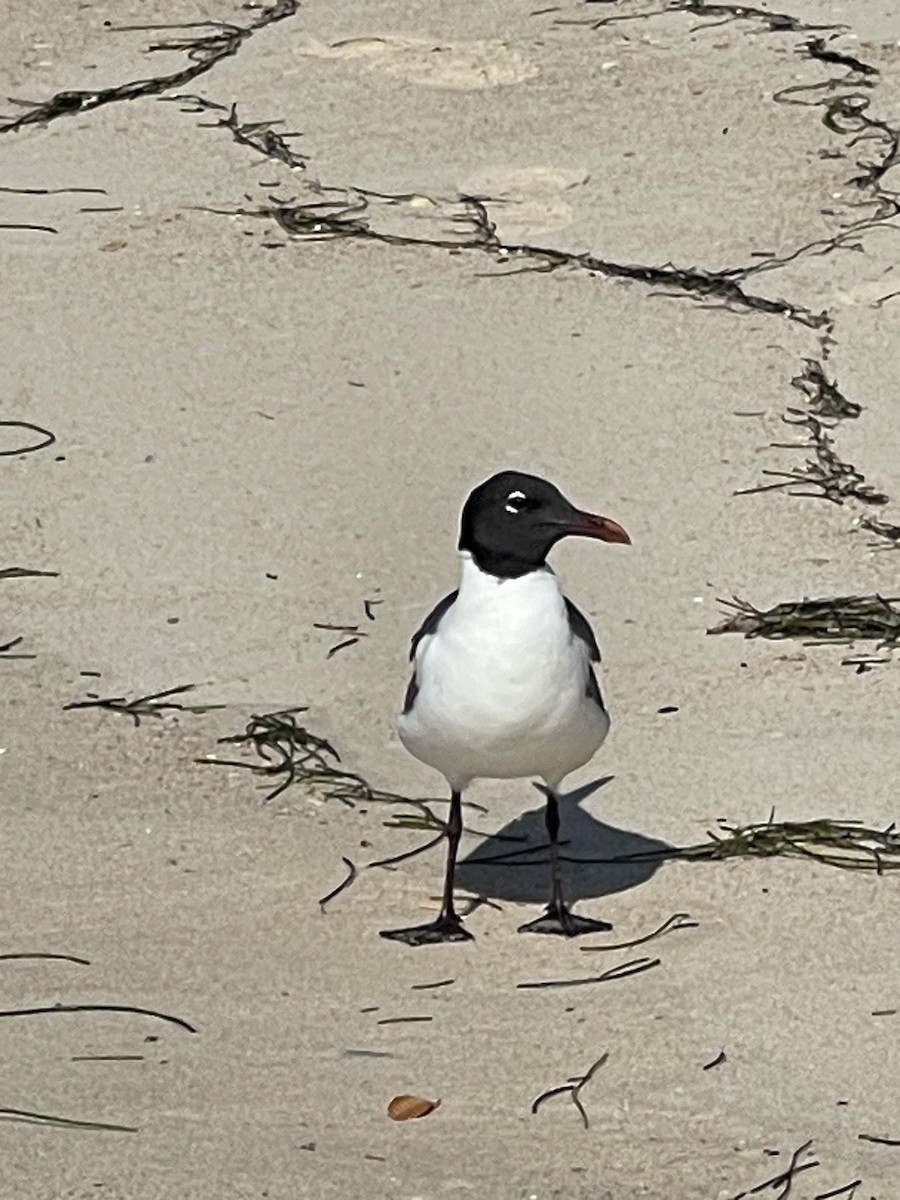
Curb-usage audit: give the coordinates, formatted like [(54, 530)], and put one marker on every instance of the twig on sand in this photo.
[(26, 573), (28, 227), (784, 1179), (46, 438), (342, 886), (573, 1090), (393, 859), (676, 921), (72, 958), (21, 573), (351, 635), (63, 191), (635, 967), (156, 704), (879, 1141), (34, 1118), (11, 645), (97, 1008), (847, 1190)]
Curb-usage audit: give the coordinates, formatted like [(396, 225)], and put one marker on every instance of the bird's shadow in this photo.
[(597, 859)]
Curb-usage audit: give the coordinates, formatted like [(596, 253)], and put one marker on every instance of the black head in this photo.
[(511, 522)]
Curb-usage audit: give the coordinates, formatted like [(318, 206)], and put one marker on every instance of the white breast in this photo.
[(502, 685)]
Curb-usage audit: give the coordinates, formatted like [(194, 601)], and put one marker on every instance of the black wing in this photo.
[(581, 629), (428, 626), (431, 622)]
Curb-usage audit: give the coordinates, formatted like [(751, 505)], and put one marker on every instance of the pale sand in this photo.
[(199, 387)]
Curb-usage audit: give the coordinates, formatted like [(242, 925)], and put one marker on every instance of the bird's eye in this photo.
[(515, 502)]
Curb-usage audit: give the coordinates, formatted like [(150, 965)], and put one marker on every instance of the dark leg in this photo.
[(557, 918), (448, 927)]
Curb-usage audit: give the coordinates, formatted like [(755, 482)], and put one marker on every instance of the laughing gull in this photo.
[(503, 684)]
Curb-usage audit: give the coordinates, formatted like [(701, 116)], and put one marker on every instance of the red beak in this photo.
[(603, 528)]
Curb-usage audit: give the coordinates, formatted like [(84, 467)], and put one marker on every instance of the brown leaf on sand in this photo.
[(118, 245), (408, 1108)]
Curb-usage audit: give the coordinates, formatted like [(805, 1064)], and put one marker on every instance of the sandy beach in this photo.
[(282, 283)]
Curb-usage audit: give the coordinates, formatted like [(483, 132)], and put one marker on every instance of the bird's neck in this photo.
[(475, 582), (500, 565)]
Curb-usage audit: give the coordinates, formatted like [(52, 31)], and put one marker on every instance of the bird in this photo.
[(503, 683)]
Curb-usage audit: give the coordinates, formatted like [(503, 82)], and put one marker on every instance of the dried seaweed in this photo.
[(261, 136), (847, 113), (344, 217), (772, 22), (573, 1089), (478, 233), (824, 475), (832, 842), (839, 619), (846, 239), (818, 49), (843, 99), (156, 704), (290, 751), (885, 530), (203, 50), (824, 398), (835, 843)]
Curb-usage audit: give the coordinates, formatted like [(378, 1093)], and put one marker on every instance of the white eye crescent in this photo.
[(514, 502)]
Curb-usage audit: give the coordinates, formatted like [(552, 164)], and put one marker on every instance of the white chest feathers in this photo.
[(502, 684)]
